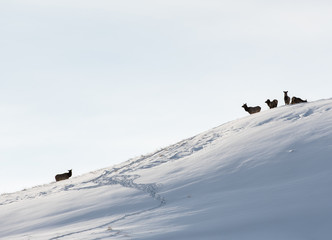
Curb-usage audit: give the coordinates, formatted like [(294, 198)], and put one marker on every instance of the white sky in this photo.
[(88, 84)]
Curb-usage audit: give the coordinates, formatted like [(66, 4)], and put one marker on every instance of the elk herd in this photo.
[(251, 110), (274, 103)]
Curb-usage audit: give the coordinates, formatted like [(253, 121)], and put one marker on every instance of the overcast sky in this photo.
[(88, 84)]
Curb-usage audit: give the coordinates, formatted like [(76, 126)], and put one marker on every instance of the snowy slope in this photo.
[(265, 176)]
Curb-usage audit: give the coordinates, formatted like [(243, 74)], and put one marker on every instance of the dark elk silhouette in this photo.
[(286, 98), (251, 110), (63, 176), (297, 100), (272, 104)]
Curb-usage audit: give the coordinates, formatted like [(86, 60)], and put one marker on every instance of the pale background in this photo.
[(88, 84)]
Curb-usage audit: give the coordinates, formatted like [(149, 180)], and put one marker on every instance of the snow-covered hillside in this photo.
[(265, 176)]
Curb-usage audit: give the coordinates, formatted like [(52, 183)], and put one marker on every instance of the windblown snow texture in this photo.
[(265, 176)]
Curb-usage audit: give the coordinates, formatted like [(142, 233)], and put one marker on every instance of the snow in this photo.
[(264, 176)]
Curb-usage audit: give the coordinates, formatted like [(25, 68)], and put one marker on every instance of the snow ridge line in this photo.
[(186, 147), (174, 152)]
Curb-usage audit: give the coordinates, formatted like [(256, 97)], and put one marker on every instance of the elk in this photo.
[(272, 104), (251, 110), (286, 98), (63, 176), (297, 100)]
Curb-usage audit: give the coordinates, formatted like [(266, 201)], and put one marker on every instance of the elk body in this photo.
[(286, 98), (272, 104), (63, 176), (297, 100), (251, 110)]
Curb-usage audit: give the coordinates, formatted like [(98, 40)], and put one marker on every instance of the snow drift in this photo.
[(265, 176)]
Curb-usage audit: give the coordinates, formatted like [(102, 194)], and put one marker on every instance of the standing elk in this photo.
[(272, 104), (63, 176), (286, 98), (251, 110)]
